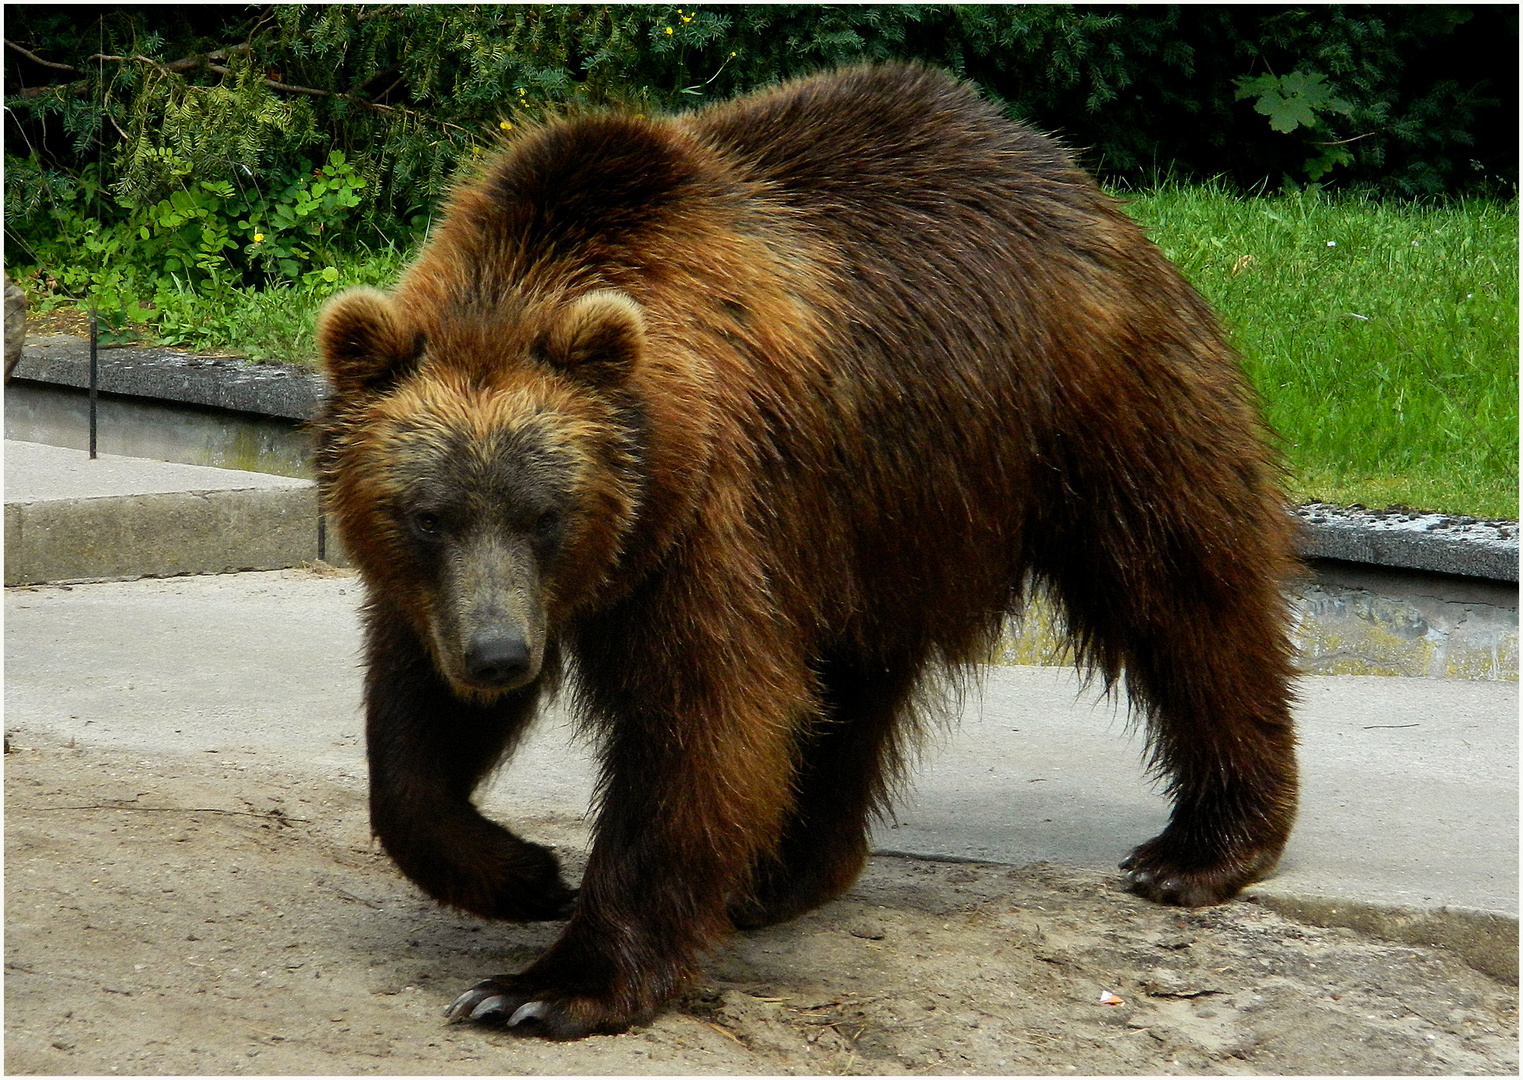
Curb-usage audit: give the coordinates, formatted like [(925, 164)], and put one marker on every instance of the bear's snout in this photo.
[(499, 657), (489, 633)]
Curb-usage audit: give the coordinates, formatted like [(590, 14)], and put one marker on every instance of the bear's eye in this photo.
[(547, 525), (426, 524)]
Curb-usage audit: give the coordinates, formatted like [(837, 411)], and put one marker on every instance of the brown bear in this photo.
[(752, 425)]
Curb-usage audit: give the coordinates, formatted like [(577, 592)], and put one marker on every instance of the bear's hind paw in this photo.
[(1152, 873)]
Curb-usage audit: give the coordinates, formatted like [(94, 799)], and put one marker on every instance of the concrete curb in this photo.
[(194, 532), (216, 382), (69, 518), (1441, 543)]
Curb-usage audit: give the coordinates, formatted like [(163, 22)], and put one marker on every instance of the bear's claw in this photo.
[(506, 1003), (479, 1001), (529, 1010)]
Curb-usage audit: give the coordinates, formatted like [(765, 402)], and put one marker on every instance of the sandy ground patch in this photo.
[(198, 915)]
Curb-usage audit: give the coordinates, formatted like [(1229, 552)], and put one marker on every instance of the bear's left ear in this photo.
[(599, 337), (363, 344)]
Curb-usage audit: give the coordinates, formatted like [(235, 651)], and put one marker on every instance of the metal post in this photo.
[(94, 379)]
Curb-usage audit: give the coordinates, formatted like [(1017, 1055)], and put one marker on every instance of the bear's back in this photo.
[(885, 141)]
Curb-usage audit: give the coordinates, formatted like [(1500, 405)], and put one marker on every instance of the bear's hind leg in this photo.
[(1225, 740), (844, 770), (1199, 627)]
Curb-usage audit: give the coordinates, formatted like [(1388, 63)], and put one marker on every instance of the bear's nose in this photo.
[(497, 658)]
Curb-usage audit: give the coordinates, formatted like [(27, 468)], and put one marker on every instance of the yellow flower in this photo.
[(259, 238), (668, 29), (505, 126)]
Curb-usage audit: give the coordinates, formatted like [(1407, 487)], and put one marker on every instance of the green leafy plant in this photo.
[(165, 98), (1301, 100), (175, 267), (289, 235)]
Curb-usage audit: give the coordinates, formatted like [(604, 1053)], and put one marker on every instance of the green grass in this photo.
[(1382, 337)]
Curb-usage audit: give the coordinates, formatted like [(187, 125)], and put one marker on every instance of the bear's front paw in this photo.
[(511, 1001), (1160, 873)]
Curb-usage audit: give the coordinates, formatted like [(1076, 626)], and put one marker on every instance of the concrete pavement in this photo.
[(1408, 826)]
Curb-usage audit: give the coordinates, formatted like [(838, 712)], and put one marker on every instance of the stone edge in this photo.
[(217, 382), (1486, 940), (159, 535)]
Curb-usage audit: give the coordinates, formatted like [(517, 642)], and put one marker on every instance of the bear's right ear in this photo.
[(363, 345), (599, 337)]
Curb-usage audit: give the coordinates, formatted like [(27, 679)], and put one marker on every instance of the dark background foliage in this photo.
[(116, 108)]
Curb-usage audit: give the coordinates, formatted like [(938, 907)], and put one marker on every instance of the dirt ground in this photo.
[(209, 915)]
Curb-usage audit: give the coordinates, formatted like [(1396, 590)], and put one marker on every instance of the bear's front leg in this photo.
[(692, 800), (617, 963), (428, 750)]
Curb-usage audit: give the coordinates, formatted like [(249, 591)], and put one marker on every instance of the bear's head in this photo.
[(484, 470)]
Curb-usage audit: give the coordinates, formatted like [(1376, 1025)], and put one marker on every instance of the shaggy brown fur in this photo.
[(764, 416)]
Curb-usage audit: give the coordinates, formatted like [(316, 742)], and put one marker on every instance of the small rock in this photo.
[(15, 325)]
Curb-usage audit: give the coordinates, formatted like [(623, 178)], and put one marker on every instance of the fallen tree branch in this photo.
[(210, 62), (34, 58), (311, 91), (185, 63)]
